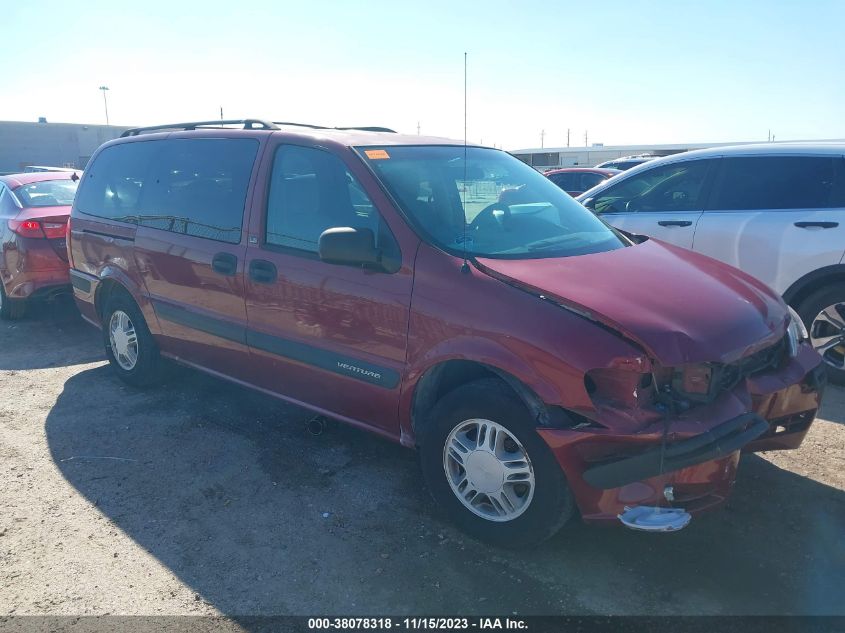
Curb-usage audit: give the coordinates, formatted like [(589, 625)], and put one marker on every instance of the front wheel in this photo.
[(129, 345), (487, 467), (823, 312)]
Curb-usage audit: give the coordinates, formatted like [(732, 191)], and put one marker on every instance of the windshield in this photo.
[(47, 193), (492, 203)]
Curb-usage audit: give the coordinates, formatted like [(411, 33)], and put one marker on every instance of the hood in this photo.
[(680, 306)]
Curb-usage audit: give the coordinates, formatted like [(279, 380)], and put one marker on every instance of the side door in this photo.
[(664, 202), (190, 247), (329, 336), (776, 217)]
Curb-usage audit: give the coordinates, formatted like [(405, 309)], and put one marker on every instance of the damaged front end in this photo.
[(670, 437)]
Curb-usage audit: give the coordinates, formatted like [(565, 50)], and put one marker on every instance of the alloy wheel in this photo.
[(827, 335)]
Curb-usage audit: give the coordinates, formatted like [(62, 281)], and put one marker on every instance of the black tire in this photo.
[(810, 308), (11, 309), (491, 399), (147, 368)]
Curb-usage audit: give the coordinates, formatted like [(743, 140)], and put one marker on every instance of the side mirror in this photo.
[(345, 245)]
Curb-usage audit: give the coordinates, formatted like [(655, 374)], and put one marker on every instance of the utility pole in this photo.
[(105, 102), (567, 137), (221, 113), (586, 144), (542, 138), (418, 128)]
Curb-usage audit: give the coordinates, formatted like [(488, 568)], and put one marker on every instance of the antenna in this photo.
[(465, 266)]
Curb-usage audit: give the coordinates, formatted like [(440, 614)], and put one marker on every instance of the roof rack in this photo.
[(362, 128), (248, 124)]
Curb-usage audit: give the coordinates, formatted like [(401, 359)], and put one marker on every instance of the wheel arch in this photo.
[(447, 375), (112, 280), (811, 282)]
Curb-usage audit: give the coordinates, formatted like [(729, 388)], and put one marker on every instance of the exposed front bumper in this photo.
[(608, 471)]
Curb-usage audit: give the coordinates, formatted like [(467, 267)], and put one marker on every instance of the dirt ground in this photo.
[(200, 497)]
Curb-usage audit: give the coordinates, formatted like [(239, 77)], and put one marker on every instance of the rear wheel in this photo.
[(11, 309), (487, 467), (129, 345), (823, 312)]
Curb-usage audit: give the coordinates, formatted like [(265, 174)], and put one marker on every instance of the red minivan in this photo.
[(34, 210), (539, 360)]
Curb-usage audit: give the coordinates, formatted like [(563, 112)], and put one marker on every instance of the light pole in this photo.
[(105, 102)]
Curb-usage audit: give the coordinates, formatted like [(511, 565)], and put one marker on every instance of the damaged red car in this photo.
[(34, 210), (541, 362)]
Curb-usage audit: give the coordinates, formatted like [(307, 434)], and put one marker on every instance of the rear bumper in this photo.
[(38, 283), (32, 267), (607, 470)]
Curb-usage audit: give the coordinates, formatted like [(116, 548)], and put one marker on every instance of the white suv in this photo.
[(776, 211)]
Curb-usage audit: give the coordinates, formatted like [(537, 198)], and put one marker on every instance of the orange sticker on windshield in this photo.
[(376, 154)]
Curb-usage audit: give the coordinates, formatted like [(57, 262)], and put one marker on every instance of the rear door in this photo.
[(329, 336), (190, 246), (776, 217), (664, 202)]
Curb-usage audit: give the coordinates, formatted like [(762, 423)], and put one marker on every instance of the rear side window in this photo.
[(778, 182), (311, 190), (588, 181), (189, 186)]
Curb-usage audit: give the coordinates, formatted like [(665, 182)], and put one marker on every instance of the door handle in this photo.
[(675, 223), (261, 271), (819, 225), (225, 264)]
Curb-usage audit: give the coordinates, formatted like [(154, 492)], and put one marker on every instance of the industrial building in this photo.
[(53, 144)]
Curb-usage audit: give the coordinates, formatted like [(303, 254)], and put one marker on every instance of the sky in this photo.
[(623, 72)]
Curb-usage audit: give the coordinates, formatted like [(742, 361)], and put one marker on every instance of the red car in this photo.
[(539, 360), (577, 180), (34, 210)]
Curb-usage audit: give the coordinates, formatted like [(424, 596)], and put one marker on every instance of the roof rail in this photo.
[(249, 124), (362, 128)]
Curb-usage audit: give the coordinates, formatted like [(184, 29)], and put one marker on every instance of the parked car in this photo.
[(34, 209), (626, 162), (776, 211), (538, 359), (576, 180)]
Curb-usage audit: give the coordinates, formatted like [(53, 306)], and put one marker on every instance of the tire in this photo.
[(11, 309), (143, 368), (810, 312), (535, 513)]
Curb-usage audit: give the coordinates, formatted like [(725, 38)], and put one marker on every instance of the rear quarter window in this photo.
[(190, 186)]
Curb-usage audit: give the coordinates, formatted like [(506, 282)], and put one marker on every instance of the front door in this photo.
[(664, 202), (329, 336)]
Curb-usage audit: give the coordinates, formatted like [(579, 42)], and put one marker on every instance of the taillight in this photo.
[(34, 228), (27, 228)]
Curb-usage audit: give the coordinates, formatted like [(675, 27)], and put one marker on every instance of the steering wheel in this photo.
[(486, 214)]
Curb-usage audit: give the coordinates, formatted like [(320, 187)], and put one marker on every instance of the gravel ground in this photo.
[(200, 497)]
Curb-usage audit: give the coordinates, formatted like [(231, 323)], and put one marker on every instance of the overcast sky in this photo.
[(629, 72)]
